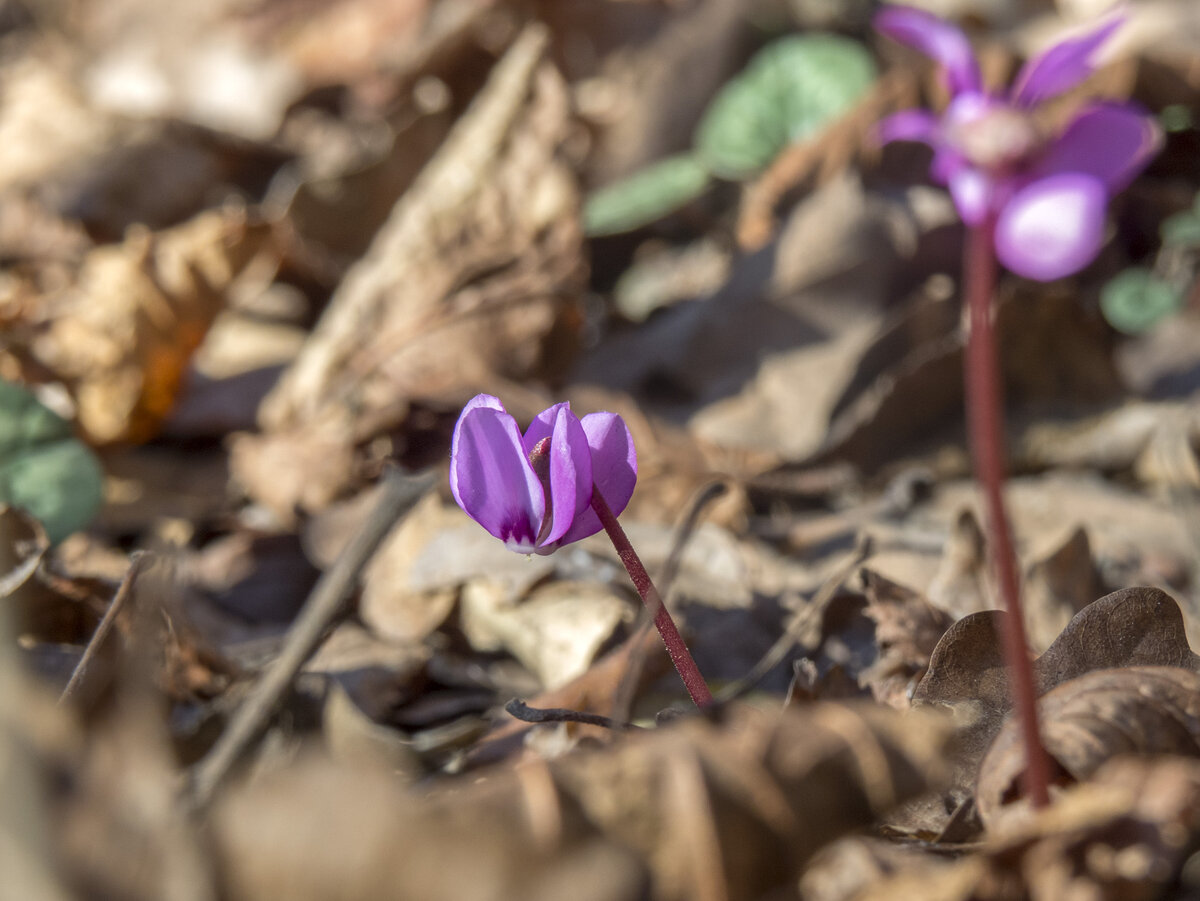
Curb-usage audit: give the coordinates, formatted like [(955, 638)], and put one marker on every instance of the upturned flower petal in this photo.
[(1052, 227), (491, 477), (908, 125), (570, 470), (614, 468), (1112, 142), (937, 39), (1061, 67), (972, 191)]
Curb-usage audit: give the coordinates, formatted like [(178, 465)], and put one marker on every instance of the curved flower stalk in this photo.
[(1038, 203), (1045, 195), (564, 479)]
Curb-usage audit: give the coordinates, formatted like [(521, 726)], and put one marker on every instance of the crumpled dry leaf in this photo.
[(1086, 721), (484, 252), (1131, 627), (1057, 586), (38, 604), (907, 629), (557, 631), (713, 810), (120, 336), (1124, 836)]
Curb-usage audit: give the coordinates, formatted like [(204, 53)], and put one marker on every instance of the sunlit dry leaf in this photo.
[(463, 285), (1086, 721), (557, 631), (121, 335)]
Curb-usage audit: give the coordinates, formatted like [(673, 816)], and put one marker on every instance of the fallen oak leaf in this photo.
[(1089, 720), (1123, 836), (1130, 627)]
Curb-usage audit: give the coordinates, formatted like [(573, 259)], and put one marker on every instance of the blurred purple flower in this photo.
[(534, 491), (1046, 195)]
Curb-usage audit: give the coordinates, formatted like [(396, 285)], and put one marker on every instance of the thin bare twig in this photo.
[(518, 709), (320, 611), (137, 563)]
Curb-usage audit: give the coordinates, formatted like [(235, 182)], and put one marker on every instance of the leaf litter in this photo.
[(253, 279)]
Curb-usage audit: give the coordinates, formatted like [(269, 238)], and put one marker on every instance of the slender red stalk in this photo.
[(985, 419), (677, 650)]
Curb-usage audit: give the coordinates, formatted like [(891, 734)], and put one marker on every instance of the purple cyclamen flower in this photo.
[(1045, 195), (534, 491)]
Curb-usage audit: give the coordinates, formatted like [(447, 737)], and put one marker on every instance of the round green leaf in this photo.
[(790, 90), (1136, 300), (644, 197), (43, 468)]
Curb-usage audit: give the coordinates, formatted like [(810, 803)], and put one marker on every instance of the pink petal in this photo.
[(1111, 142), (908, 125), (1052, 227), (570, 468), (490, 474), (614, 467), (1060, 68), (972, 192), (936, 38)]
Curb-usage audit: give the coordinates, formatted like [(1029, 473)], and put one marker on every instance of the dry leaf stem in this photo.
[(985, 420), (677, 649)]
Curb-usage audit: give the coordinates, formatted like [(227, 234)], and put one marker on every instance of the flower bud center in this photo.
[(998, 138)]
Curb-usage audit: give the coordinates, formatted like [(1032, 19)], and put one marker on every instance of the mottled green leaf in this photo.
[(44, 469), (1136, 300), (644, 197), (790, 90)]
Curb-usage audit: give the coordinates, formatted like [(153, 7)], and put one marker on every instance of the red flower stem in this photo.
[(677, 650), (985, 420)]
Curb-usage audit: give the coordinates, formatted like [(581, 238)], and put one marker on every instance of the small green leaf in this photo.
[(43, 468), (1175, 117), (1183, 229), (1136, 300), (644, 197), (790, 90)]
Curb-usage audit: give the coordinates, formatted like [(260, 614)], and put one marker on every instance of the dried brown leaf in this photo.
[(1091, 719), (1124, 836), (728, 809), (121, 334), (907, 629), (462, 287), (1131, 627), (1059, 585)]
